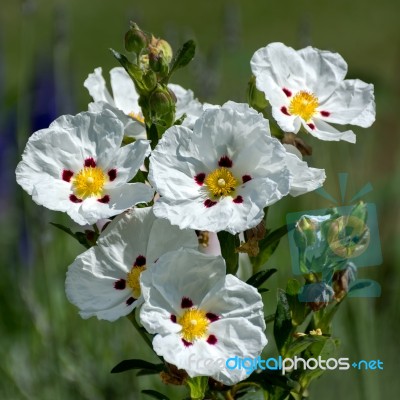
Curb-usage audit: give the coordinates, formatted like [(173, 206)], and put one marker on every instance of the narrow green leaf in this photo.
[(183, 56), (283, 328), (127, 365), (260, 277), (229, 243), (155, 395), (298, 308)]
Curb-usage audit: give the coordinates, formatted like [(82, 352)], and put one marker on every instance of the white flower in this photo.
[(104, 281), (124, 102), (222, 175), (307, 87), (77, 166), (200, 315)]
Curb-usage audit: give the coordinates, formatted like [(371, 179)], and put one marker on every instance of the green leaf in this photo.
[(198, 386), (267, 247), (260, 277), (299, 310), (229, 243), (133, 71), (127, 365), (183, 56), (283, 328), (79, 236), (139, 177), (302, 343), (155, 395)]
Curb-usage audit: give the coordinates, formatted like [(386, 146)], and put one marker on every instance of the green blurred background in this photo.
[(48, 47)]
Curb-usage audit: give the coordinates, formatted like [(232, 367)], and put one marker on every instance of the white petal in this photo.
[(124, 92), (288, 123), (325, 131), (90, 286), (352, 103), (275, 67), (186, 104), (132, 127), (178, 274), (324, 71), (303, 179), (128, 195), (96, 86), (129, 159), (233, 298)]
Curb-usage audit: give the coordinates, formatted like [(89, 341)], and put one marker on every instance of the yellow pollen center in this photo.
[(133, 280), (89, 182), (137, 116), (194, 324), (304, 104), (221, 182)]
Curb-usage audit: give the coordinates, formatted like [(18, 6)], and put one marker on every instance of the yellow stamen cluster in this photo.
[(221, 182), (89, 182), (137, 116), (133, 280), (194, 324), (304, 104)]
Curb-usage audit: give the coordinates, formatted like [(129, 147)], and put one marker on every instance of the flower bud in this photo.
[(316, 295), (163, 48), (256, 98), (162, 105), (342, 279), (135, 39), (305, 232)]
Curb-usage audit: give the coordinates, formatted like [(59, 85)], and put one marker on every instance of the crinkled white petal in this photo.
[(233, 298), (303, 179), (128, 195), (129, 159), (177, 274), (90, 286), (324, 71), (275, 67), (353, 102), (96, 86), (186, 104), (124, 92), (324, 131), (132, 127)]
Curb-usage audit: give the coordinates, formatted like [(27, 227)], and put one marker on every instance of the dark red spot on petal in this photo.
[(173, 318), (225, 161), (325, 113), (212, 317), (212, 339), (238, 200), (209, 203), (130, 301), (112, 174), (285, 111), (186, 302), (74, 199), (120, 284), (140, 261), (199, 178), (67, 175), (246, 178), (105, 199), (186, 343), (89, 162), (287, 92), (311, 126)]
